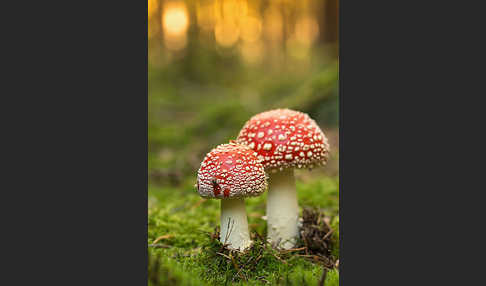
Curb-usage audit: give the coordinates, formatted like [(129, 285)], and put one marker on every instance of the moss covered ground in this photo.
[(185, 223)]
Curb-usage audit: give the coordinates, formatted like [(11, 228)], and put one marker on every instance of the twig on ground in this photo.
[(305, 242), (222, 254), (251, 258), (316, 236), (258, 258), (326, 262), (234, 262), (327, 221), (306, 255), (261, 238), (238, 274), (276, 256), (292, 250), (165, 236), (328, 234), (159, 245), (237, 267), (323, 277), (198, 203)]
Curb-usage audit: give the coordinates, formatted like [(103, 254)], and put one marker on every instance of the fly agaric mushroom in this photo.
[(231, 172), (284, 139)]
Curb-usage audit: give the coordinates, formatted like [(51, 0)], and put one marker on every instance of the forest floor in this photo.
[(191, 112), (183, 245)]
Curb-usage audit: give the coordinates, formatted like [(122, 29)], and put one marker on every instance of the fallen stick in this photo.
[(158, 245), (293, 249), (328, 234), (222, 254), (165, 236), (323, 277)]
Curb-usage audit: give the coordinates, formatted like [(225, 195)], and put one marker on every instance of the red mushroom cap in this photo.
[(285, 138), (231, 170)]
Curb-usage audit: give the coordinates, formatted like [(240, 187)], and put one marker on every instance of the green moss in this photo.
[(188, 256), (322, 193)]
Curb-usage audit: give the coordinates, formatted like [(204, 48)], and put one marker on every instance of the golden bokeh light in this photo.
[(175, 19), (175, 22), (251, 29), (306, 30), (257, 29), (226, 33)]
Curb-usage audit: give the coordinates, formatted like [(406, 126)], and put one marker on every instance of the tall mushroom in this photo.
[(231, 172), (284, 139)]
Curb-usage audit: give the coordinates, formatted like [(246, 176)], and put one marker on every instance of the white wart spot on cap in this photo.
[(267, 146)]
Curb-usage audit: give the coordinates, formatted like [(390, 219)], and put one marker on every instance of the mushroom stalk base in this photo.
[(234, 224), (282, 210)]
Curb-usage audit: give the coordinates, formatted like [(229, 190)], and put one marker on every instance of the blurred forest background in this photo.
[(213, 64)]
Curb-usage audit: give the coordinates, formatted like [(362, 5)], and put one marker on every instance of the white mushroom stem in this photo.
[(282, 209), (234, 224)]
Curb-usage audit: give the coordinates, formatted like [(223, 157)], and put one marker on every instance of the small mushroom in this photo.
[(231, 172), (284, 139)]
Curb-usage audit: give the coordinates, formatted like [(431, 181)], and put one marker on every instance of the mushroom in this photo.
[(284, 139), (231, 172)]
